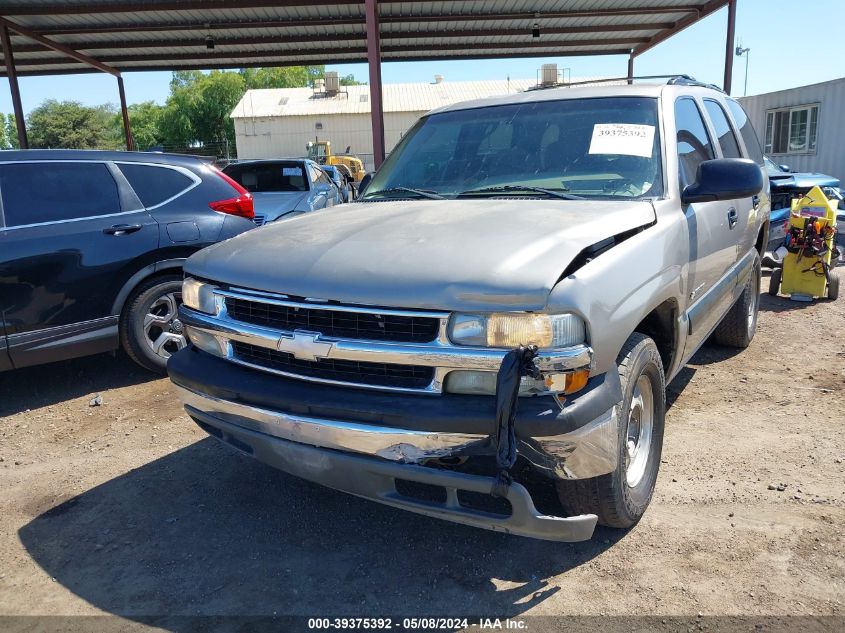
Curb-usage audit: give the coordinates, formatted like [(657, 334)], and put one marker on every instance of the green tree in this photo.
[(10, 131), (278, 77), (196, 115), (70, 125), (349, 80), (145, 120)]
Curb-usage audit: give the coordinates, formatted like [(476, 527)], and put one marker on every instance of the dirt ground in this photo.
[(127, 508)]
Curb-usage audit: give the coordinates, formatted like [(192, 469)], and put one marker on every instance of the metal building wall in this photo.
[(276, 137), (829, 157)]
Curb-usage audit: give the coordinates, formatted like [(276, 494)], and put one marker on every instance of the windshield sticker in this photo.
[(622, 138), (291, 171)]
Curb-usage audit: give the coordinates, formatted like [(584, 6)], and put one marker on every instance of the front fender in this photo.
[(616, 291)]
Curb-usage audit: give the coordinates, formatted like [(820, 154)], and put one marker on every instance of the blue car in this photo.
[(285, 187)]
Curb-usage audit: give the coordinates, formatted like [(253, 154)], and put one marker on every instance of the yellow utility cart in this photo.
[(811, 244)]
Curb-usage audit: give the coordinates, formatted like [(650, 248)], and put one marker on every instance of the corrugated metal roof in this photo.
[(416, 97), (171, 34)]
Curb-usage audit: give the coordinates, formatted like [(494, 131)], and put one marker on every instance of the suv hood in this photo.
[(491, 254)]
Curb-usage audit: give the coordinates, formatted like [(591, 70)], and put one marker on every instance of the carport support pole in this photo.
[(729, 46), (127, 129), (374, 62), (631, 68), (9, 60)]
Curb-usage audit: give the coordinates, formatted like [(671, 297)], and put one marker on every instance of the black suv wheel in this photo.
[(150, 330)]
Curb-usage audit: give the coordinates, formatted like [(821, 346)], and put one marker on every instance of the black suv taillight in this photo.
[(241, 205)]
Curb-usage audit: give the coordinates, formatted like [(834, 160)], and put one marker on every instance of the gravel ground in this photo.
[(127, 508)]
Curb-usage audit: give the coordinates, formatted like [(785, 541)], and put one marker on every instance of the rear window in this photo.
[(752, 143), (34, 193), (154, 185), (269, 177)]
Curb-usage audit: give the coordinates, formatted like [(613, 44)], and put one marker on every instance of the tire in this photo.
[(774, 281), (620, 498), (150, 330), (833, 288), (737, 327)]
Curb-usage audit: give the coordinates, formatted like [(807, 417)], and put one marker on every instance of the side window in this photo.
[(318, 176), (752, 143), (727, 139), (52, 191), (694, 146), (153, 185)]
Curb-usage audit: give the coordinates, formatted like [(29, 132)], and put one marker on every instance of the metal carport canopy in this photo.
[(49, 37)]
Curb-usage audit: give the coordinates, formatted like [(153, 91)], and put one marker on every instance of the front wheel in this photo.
[(620, 498), (150, 329)]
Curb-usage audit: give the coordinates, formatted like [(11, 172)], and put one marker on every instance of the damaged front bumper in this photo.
[(362, 442)]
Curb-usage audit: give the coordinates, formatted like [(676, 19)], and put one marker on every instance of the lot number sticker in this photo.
[(291, 171), (622, 138)]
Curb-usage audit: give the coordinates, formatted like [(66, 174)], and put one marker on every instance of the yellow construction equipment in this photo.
[(321, 152), (811, 246)]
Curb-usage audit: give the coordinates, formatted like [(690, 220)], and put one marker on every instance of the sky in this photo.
[(784, 54)]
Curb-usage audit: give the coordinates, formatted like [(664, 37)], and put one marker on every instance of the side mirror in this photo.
[(786, 168), (724, 179), (365, 181)]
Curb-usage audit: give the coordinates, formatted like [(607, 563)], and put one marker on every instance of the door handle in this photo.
[(755, 202), (733, 218), (122, 229)]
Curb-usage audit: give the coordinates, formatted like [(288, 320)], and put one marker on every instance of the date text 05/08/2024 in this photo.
[(409, 624)]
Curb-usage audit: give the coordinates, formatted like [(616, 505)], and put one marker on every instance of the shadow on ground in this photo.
[(45, 385), (205, 530)]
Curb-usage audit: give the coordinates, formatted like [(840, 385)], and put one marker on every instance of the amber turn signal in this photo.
[(576, 380)]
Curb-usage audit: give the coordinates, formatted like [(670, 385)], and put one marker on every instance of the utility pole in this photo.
[(739, 53)]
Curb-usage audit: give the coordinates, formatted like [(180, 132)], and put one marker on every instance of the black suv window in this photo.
[(153, 184), (694, 146), (727, 139), (752, 143), (52, 191)]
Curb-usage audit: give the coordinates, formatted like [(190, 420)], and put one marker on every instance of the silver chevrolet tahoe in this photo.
[(498, 315)]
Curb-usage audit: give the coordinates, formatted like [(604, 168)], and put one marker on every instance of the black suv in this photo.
[(92, 245)]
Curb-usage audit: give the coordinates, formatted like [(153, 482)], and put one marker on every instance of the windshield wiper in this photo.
[(422, 193), (556, 192)]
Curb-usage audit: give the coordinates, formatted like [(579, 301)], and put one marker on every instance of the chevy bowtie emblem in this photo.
[(304, 345)]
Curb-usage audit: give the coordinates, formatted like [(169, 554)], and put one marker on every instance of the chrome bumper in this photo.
[(440, 354), (589, 451), (377, 480)]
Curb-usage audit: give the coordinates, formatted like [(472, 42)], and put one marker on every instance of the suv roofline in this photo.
[(98, 154), (582, 91)]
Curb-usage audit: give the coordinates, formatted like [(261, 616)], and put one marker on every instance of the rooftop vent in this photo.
[(332, 83), (438, 79), (548, 75)]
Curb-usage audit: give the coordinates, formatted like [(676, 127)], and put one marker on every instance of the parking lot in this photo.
[(127, 508)]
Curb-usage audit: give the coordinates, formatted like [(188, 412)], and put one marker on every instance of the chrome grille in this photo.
[(340, 324), (374, 374)]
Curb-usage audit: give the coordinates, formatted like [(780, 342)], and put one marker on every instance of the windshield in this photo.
[(269, 177), (603, 148)]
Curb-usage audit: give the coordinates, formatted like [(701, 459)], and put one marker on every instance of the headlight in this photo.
[(198, 295), (510, 329)]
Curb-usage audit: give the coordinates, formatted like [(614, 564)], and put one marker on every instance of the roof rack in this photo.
[(673, 80)]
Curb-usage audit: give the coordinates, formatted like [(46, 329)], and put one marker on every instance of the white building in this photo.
[(279, 122), (803, 127)]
